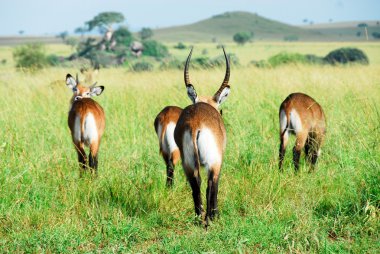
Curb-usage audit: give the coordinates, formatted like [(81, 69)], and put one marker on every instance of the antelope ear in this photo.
[(71, 82), (222, 96), (192, 93), (96, 91)]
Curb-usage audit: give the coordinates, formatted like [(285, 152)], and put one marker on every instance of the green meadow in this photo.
[(46, 208)]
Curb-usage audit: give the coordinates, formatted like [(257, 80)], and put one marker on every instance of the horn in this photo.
[(94, 84), (226, 77), (186, 72), (77, 79)]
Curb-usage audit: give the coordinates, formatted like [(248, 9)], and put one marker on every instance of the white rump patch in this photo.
[(77, 129), (208, 150), (283, 120), (295, 121), (90, 132), (169, 142), (188, 150)]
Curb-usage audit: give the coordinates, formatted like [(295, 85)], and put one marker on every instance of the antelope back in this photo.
[(302, 112)]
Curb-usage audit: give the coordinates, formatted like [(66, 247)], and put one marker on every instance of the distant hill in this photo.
[(222, 27), (345, 31)]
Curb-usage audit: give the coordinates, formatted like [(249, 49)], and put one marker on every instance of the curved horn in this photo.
[(186, 72), (227, 75), (77, 79)]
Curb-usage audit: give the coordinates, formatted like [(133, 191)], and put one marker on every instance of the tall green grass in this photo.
[(45, 207)]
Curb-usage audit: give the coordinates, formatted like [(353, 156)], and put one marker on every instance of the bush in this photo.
[(291, 38), (242, 37), (30, 56), (346, 55), (180, 45), (123, 36), (155, 49), (286, 58), (142, 66), (54, 60), (376, 35)]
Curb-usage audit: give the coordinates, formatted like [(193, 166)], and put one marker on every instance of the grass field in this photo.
[(46, 208)]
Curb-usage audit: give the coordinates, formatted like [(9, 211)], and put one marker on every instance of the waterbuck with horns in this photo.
[(301, 115), (86, 121), (164, 125), (201, 137)]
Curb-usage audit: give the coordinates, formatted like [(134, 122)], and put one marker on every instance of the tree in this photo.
[(21, 32), (242, 37), (80, 30), (364, 25), (146, 33), (376, 35), (155, 49), (105, 20), (63, 35), (123, 36)]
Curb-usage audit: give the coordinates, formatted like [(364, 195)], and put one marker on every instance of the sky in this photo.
[(50, 17)]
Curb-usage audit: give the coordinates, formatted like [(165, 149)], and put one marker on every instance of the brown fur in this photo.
[(313, 127), (167, 115)]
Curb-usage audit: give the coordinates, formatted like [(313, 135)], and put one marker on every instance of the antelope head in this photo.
[(219, 97), (81, 91)]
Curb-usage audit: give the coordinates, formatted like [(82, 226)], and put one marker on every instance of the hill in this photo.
[(345, 31), (224, 26)]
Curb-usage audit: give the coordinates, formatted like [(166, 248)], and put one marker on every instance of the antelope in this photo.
[(164, 125), (201, 137), (86, 121), (302, 116)]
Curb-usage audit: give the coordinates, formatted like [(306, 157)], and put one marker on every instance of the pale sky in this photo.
[(40, 17)]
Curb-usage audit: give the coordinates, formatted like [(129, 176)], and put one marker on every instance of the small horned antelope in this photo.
[(301, 115), (86, 121), (201, 137), (164, 125)]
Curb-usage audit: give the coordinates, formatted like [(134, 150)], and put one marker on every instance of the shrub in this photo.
[(346, 55), (242, 37), (142, 66), (286, 58), (376, 35), (54, 60), (155, 49), (123, 36), (180, 45), (30, 56), (292, 37)]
